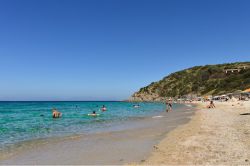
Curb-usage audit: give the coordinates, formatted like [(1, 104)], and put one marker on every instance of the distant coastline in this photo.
[(62, 101)]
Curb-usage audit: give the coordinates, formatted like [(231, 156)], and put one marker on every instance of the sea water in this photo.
[(26, 121)]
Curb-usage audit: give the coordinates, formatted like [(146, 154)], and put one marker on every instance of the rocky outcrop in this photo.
[(198, 80)]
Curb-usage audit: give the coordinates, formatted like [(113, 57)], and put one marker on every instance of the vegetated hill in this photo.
[(198, 80)]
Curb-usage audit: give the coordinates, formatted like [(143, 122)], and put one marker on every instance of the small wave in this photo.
[(188, 105), (158, 116)]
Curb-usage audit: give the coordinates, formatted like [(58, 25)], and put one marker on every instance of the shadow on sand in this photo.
[(245, 113)]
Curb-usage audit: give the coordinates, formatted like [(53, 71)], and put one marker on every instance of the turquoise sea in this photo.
[(25, 121)]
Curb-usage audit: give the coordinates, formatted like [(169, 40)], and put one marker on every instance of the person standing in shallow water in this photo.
[(55, 113), (168, 106), (103, 108)]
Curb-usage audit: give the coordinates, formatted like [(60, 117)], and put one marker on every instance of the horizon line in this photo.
[(61, 100)]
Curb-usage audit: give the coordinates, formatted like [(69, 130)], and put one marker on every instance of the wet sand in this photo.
[(213, 136), (129, 145)]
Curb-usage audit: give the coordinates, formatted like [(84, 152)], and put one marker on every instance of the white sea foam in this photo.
[(160, 116)]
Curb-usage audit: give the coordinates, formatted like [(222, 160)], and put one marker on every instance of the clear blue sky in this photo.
[(107, 49)]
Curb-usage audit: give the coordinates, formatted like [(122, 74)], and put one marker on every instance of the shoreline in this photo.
[(213, 136), (193, 135), (113, 147)]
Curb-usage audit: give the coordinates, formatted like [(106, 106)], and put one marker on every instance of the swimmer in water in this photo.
[(55, 113), (103, 108), (136, 106), (93, 114)]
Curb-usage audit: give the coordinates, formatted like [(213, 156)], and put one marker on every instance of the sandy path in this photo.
[(213, 136)]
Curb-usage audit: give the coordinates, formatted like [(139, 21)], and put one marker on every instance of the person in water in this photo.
[(93, 114), (103, 108), (55, 113), (136, 106), (169, 106)]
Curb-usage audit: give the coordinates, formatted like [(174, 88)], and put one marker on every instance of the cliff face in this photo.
[(198, 80)]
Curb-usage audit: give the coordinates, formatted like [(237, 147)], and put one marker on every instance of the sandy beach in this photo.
[(124, 82), (213, 136)]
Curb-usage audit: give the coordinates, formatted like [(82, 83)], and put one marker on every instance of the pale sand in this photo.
[(213, 136)]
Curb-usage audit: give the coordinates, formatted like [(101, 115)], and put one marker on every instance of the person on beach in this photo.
[(211, 105), (55, 113), (103, 108), (169, 106)]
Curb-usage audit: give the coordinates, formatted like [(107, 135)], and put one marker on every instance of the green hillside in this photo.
[(200, 80)]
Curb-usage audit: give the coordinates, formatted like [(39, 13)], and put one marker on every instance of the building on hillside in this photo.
[(236, 70)]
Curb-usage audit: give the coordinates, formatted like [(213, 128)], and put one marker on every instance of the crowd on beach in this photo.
[(230, 97)]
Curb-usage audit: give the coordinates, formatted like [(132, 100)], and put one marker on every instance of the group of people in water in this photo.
[(103, 109), (57, 114)]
